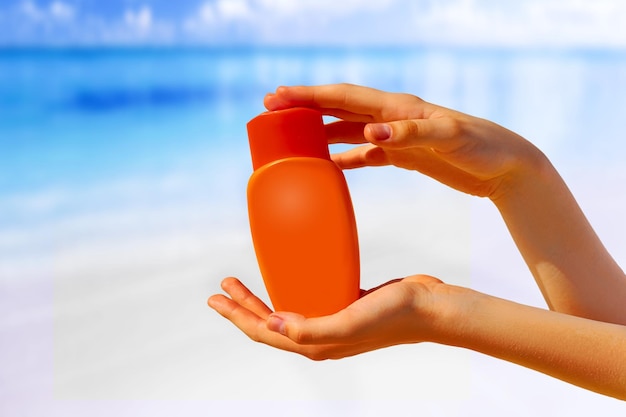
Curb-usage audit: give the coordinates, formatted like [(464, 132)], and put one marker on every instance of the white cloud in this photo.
[(61, 10), (323, 7), (530, 22), (213, 18), (135, 26), (207, 13), (56, 11), (277, 21), (455, 22), (31, 10), (597, 22), (354, 22), (234, 9), (140, 20), (258, 11)]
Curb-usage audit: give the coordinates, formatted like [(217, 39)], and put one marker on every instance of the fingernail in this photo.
[(275, 103), (380, 131), (276, 324)]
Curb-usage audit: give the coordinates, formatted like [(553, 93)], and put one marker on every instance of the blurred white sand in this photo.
[(131, 319), (109, 303)]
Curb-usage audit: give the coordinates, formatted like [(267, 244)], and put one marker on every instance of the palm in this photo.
[(383, 317)]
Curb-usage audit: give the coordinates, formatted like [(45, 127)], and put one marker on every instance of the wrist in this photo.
[(453, 308), (530, 171)]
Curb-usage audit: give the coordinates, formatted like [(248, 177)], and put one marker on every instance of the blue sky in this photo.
[(569, 23)]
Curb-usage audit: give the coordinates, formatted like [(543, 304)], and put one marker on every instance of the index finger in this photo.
[(344, 97)]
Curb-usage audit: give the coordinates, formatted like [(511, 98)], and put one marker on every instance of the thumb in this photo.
[(441, 134), (335, 328), (300, 329), (278, 322)]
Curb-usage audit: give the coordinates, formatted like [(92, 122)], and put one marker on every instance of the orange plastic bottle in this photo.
[(301, 215)]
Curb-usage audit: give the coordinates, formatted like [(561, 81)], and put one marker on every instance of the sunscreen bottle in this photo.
[(301, 215)]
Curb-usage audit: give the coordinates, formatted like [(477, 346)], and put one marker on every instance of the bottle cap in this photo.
[(288, 133)]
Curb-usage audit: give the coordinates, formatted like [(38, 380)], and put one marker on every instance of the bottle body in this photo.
[(304, 235)]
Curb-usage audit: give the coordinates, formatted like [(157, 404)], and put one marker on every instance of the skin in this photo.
[(581, 339)]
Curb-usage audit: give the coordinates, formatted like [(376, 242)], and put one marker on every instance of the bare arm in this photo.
[(573, 269), (580, 351)]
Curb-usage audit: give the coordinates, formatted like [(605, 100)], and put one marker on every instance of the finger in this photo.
[(311, 331), (244, 319), (243, 296), (362, 156), (350, 326), (274, 103), (345, 132), (442, 134), (250, 324), (259, 330), (347, 97)]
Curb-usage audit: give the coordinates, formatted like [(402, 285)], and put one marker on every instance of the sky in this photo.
[(556, 23)]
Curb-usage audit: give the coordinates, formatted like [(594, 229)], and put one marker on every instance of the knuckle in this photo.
[(411, 129), (300, 337), (405, 133), (408, 98), (255, 334), (456, 127), (394, 104)]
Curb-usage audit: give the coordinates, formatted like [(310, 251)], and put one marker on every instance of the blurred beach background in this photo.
[(123, 171)]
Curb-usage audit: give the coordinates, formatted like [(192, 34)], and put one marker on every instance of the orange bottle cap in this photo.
[(281, 134)]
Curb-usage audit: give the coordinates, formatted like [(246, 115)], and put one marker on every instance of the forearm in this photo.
[(573, 269), (587, 353)]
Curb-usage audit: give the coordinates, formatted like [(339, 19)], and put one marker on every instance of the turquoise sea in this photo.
[(122, 205), (75, 115)]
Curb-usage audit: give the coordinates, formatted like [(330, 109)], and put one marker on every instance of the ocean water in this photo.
[(122, 205), (101, 113)]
